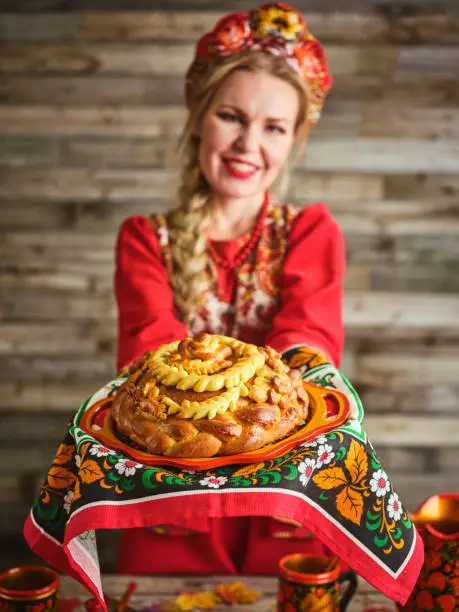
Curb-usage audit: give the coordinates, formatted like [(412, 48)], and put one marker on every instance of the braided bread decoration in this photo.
[(208, 396)]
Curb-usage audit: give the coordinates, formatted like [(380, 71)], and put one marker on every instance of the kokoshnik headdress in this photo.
[(275, 28)]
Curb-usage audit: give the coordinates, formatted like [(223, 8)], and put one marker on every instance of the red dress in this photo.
[(287, 293)]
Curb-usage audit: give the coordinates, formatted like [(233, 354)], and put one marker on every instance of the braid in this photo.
[(188, 225), (192, 268)]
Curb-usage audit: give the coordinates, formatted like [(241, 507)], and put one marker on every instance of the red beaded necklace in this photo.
[(243, 252)]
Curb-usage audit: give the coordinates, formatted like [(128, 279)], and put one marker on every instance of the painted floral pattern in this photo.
[(40, 605), (277, 20), (320, 440), (336, 470), (305, 358), (394, 507), (337, 473), (325, 455), (437, 589), (126, 467), (100, 451), (295, 596), (213, 482), (258, 281), (306, 469), (275, 28), (68, 501), (380, 483), (231, 35)]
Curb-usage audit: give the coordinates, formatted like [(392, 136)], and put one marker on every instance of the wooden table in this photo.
[(153, 589)]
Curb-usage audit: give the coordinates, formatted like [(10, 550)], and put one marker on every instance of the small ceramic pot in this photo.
[(305, 584), (30, 588)]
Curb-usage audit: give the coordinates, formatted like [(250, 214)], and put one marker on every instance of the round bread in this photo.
[(209, 396)]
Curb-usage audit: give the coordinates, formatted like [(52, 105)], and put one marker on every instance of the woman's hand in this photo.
[(316, 368)]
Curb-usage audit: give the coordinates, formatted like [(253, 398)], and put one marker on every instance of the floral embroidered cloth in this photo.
[(334, 485)]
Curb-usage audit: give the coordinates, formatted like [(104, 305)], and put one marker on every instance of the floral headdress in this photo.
[(275, 28)]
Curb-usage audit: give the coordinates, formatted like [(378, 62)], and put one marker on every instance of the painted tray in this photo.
[(328, 409)]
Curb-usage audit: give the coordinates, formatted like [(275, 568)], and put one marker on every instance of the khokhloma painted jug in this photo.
[(437, 588)]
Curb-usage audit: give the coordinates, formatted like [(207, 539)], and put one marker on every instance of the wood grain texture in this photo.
[(121, 184), (52, 396), (390, 7), (396, 314), (75, 275), (429, 123), (389, 311), (390, 268), (169, 587), (45, 429), (33, 339), (96, 58), (401, 368), (330, 154), (376, 120), (439, 399), (28, 151), (124, 121), (411, 431), (85, 90), (187, 25), (169, 58)]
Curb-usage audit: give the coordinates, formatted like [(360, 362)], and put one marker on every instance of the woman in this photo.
[(229, 260)]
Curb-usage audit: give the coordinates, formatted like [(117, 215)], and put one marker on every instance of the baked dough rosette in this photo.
[(209, 396)]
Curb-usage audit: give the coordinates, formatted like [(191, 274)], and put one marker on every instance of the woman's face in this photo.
[(247, 133)]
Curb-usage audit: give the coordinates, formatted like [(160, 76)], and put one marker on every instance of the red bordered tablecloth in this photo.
[(334, 485)]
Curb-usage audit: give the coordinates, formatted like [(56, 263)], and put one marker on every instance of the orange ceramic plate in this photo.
[(328, 408)]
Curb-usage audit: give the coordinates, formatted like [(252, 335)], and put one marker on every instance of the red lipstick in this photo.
[(234, 169)]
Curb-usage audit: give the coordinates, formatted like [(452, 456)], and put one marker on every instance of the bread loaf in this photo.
[(209, 396)]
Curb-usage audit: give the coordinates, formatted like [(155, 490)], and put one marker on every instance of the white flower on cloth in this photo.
[(213, 482), (100, 451), (78, 460), (316, 441), (126, 467), (325, 454), (394, 507), (380, 483), (306, 468), (68, 501)]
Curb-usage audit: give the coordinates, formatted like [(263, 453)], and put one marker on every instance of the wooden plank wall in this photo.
[(90, 108)]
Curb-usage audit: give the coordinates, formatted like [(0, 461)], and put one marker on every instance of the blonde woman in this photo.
[(227, 259)]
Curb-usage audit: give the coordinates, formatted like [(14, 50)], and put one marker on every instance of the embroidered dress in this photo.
[(288, 292)]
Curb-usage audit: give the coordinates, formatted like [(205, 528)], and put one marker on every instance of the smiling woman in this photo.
[(247, 110), (228, 260), (245, 141)]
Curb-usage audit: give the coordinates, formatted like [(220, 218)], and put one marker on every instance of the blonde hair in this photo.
[(193, 271)]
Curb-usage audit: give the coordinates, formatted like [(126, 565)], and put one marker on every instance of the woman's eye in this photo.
[(273, 127), (230, 117)]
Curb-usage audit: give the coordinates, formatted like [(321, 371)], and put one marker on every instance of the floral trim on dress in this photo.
[(258, 281), (316, 368)]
